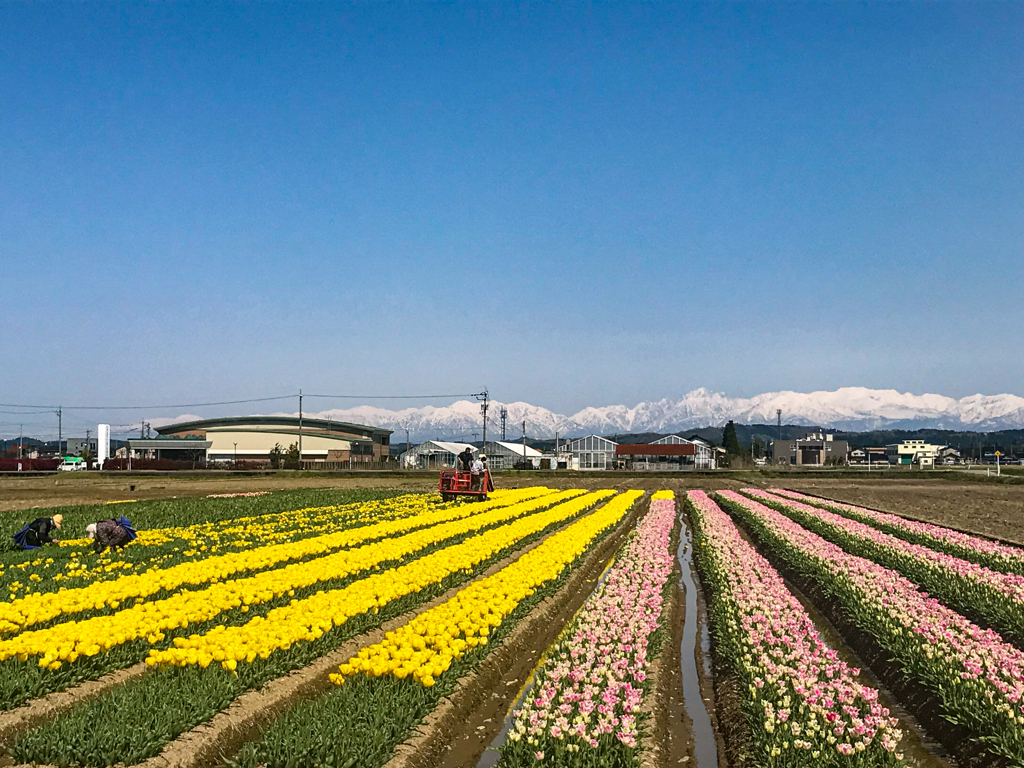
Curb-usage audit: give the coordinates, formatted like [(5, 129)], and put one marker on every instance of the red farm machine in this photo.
[(473, 485)]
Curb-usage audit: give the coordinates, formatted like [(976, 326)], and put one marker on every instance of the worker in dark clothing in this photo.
[(466, 460), (110, 533), (37, 533)]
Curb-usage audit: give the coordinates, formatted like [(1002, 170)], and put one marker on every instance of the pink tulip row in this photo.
[(921, 559), (588, 691), (976, 677), (998, 556), (807, 700)]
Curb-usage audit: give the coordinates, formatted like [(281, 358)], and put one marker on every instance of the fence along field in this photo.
[(174, 632)]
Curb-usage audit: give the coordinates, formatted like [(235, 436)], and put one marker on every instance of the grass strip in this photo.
[(168, 701)]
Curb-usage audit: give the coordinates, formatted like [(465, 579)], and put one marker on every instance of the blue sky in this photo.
[(574, 205)]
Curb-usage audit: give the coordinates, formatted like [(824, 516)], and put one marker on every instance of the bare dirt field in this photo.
[(82, 488), (984, 508)]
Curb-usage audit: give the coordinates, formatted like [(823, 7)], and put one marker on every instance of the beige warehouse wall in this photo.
[(263, 442)]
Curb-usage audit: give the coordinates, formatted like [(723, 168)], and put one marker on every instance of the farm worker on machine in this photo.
[(110, 533), (478, 468), (487, 473), (37, 533), (466, 460)]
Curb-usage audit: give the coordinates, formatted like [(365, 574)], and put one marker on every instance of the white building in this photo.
[(502, 455), (434, 454), (911, 452), (591, 452)]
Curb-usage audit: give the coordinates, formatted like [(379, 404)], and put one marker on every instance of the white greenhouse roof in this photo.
[(516, 448), (441, 445)]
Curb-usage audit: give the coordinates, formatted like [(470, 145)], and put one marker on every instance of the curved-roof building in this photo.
[(251, 438)]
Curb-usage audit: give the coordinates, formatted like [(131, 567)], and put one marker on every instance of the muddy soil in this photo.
[(241, 722), (952, 743), (456, 734), (670, 739)]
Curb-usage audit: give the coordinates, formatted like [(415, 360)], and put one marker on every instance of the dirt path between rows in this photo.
[(243, 720), (461, 727), (952, 743), (667, 740), (38, 711)]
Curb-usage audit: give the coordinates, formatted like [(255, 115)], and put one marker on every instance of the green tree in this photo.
[(730, 441), (276, 454), (292, 458)]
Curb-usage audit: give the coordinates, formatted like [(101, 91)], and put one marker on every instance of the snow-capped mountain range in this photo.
[(849, 408)]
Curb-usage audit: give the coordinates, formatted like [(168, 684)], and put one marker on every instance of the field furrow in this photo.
[(387, 688), (990, 597), (585, 704), (191, 684), (987, 552), (976, 678), (85, 649)]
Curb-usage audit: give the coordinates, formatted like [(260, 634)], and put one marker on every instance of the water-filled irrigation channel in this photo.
[(705, 747), (492, 754)]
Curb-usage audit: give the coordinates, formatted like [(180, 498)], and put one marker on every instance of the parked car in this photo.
[(72, 464)]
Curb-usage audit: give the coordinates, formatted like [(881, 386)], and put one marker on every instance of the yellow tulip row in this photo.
[(663, 495), (426, 646), (276, 523), (40, 607), (207, 539), (69, 640), (308, 619)]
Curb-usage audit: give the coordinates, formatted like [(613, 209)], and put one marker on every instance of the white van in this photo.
[(72, 464)]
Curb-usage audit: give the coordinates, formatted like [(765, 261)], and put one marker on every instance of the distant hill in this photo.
[(850, 409)]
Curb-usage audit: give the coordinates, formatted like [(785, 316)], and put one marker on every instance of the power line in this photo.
[(229, 402), (390, 396), (151, 407)]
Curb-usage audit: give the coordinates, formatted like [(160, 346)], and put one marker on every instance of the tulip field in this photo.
[(359, 629)]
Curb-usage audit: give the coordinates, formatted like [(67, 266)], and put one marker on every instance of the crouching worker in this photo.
[(110, 533), (37, 533)]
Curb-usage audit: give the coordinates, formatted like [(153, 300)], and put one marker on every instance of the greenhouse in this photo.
[(592, 452), (434, 454)]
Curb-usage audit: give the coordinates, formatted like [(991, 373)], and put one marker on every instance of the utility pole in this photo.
[(778, 415), (59, 435), (300, 429), (21, 441), (524, 443), (483, 409), (504, 418)]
